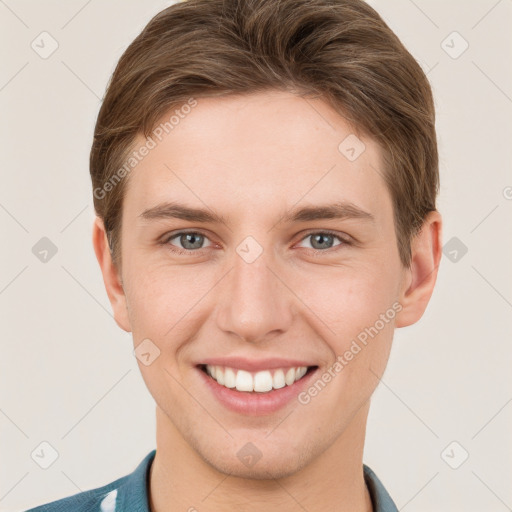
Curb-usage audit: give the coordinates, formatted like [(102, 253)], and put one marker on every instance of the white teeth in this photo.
[(219, 374), (290, 376), (229, 378), (278, 380), (244, 381), (301, 371), (260, 382)]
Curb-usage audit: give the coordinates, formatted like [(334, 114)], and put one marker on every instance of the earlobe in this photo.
[(426, 249), (111, 275)]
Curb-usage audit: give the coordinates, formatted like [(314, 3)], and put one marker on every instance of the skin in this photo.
[(251, 159)]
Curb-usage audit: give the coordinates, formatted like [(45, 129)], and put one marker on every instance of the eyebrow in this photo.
[(180, 211), (339, 210)]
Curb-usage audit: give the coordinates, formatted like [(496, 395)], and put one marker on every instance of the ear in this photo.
[(111, 276), (420, 278)]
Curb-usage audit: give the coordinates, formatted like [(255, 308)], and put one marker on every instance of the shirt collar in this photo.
[(381, 500), (133, 494)]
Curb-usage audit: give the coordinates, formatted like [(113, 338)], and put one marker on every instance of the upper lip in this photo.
[(254, 365)]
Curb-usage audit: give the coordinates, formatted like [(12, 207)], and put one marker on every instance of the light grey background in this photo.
[(68, 375)]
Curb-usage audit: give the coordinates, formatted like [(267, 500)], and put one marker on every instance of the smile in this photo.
[(259, 382)]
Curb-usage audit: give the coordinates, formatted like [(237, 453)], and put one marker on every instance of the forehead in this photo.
[(258, 150)]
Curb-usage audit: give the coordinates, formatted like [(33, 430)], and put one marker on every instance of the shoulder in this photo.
[(128, 492), (98, 499)]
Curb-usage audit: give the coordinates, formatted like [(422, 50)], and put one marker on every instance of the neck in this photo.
[(180, 480)]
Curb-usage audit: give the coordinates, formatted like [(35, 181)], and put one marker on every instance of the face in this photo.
[(253, 242)]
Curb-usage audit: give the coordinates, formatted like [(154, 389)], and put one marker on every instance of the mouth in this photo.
[(263, 381)]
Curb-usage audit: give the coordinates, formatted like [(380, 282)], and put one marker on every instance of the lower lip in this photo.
[(255, 403)]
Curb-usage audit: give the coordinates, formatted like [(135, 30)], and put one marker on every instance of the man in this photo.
[(264, 176)]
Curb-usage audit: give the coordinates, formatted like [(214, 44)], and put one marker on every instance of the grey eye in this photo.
[(321, 240), (189, 241)]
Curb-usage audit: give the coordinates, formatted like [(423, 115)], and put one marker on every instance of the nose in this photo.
[(255, 303)]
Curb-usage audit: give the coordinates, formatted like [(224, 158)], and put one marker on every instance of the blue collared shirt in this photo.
[(130, 494)]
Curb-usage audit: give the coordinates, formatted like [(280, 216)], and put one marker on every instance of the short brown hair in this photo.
[(338, 50)]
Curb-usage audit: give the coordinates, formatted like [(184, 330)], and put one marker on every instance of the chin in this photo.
[(250, 462), (269, 470)]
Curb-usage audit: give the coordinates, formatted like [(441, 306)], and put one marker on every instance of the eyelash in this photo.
[(315, 252)]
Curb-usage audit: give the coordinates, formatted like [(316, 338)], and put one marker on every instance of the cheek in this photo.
[(348, 300), (356, 313), (359, 314), (162, 300)]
